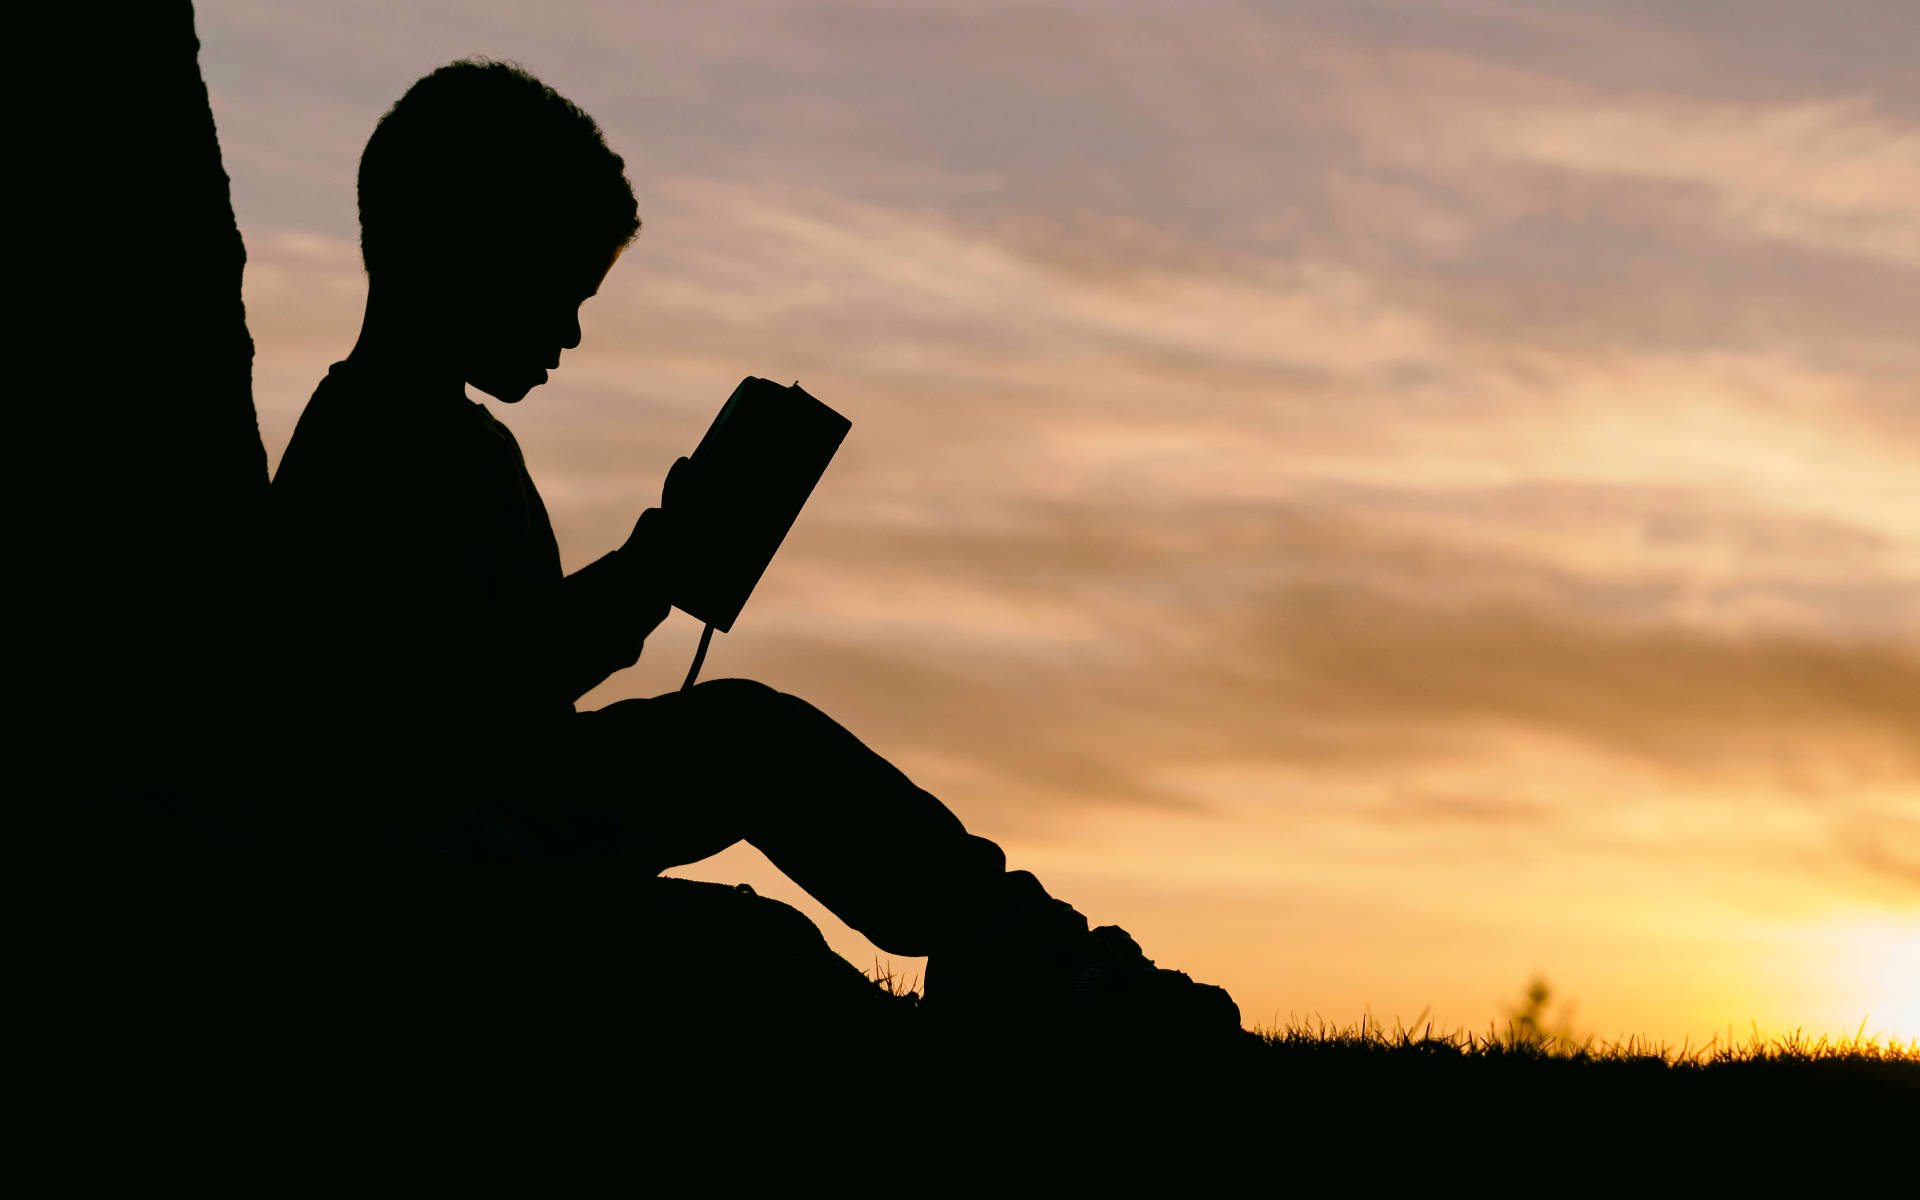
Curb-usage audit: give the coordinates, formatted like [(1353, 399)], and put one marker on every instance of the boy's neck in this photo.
[(398, 346)]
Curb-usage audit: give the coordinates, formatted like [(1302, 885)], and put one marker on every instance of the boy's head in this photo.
[(492, 206)]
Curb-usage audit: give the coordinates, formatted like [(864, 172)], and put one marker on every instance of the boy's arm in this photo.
[(607, 609), (609, 606)]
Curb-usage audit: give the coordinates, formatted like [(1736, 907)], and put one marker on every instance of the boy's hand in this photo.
[(662, 538), (676, 494)]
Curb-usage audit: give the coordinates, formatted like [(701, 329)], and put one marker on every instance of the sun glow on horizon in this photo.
[(1875, 966)]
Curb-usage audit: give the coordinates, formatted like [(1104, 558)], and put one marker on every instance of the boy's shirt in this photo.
[(419, 573)]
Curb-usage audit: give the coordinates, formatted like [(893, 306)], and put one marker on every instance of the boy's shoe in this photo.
[(1038, 964), (1124, 988)]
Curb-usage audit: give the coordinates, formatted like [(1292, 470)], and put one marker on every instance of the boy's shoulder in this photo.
[(358, 428)]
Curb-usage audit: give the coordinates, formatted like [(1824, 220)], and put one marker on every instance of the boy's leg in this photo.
[(678, 777), (684, 775)]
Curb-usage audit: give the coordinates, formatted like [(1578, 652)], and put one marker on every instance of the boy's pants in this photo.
[(673, 779)]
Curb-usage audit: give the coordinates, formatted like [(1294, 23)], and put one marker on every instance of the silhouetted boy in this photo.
[(435, 650)]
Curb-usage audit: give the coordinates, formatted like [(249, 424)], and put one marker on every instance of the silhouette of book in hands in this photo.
[(755, 468)]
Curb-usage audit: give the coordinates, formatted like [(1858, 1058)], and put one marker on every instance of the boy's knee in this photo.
[(747, 698), (766, 710), (741, 693)]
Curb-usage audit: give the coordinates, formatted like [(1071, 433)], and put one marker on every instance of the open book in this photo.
[(758, 464)]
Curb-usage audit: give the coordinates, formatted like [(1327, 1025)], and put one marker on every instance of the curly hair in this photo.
[(480, 152)]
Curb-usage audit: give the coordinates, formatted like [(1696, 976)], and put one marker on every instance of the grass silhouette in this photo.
[(1309, 1071), (1527, 1033), (1521, 1041)]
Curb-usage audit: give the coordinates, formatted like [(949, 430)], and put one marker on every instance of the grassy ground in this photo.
[(1519, 1064), (1517, 1075), (1518, 1040)]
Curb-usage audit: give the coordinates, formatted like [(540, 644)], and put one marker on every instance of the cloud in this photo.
[(1833, 175), (1447, 472)]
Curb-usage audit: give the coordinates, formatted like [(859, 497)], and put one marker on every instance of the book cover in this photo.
[(758, 463)]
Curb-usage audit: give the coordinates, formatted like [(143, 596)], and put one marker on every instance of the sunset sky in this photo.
[(1381, 500)]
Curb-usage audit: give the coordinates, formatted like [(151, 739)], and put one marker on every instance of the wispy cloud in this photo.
[(1829, 175)]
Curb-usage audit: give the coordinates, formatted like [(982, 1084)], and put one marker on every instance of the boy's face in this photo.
[(512, 321)]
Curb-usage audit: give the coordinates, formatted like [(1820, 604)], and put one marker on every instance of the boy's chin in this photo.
[(508, 389)]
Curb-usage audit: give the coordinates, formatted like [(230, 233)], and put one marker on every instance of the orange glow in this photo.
[(1875, 967)]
